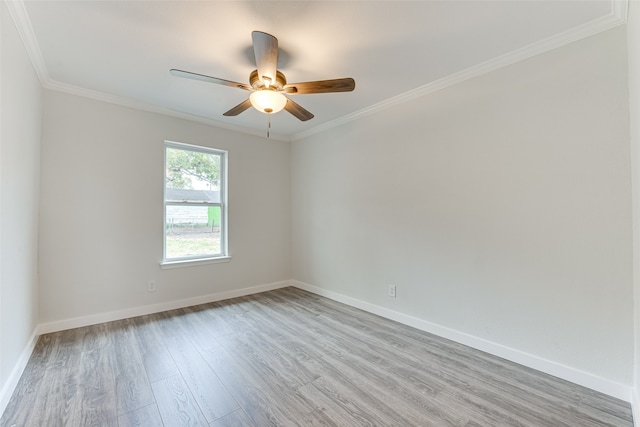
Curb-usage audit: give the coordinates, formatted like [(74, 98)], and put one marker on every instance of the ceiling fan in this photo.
[(268, 85)]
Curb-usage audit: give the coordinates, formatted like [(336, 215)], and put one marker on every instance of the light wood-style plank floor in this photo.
[(289, 358)]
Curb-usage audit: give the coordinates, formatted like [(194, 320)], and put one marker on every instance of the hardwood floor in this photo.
[(286, 357)]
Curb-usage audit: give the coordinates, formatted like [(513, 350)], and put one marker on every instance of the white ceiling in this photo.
[(121, 51)]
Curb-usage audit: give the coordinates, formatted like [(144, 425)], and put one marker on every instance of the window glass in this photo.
[(194, 202)]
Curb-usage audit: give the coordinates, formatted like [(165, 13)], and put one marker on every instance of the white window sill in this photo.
[(193, 262)]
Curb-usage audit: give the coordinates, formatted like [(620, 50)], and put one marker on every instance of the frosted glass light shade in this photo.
[(268, 101)]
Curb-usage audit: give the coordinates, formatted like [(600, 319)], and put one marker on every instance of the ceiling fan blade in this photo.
[(208, 79), (321, 86), (265, 48), (244, 105), (297, 110)]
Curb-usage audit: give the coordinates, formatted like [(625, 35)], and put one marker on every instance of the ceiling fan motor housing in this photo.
[(258, 84), (268, 86)]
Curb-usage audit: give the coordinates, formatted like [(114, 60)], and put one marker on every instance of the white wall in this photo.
[(101, 210), (500, 207), (633, 40), (20, 119)]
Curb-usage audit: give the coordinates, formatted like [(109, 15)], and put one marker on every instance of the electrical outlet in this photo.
[(392, 291), (151, 286)]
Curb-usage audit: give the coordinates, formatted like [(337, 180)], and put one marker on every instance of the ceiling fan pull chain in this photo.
[(269, 86), (268, 125)]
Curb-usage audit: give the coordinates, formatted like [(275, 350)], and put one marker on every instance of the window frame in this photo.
[(223, 256)]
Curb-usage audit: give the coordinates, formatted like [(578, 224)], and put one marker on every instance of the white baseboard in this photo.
[(576, 376), (635, 407), (16, 373), (594, 382), (44, 328), (77, 322)]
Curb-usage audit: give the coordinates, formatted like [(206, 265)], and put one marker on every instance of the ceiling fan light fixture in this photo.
[(268, 101), (268, 85)]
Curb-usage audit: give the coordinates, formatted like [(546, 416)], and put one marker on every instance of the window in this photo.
[(195, 208)]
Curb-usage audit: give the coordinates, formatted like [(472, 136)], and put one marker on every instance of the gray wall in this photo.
[(633, 39), (500, 207), (101, 210), (20, 120)]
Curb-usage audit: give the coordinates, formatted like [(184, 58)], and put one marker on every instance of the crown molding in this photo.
[(20, 17), (620, 9), (151, 108), (618, 16)]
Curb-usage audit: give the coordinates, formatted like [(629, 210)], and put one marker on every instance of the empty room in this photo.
[(301, 213)]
